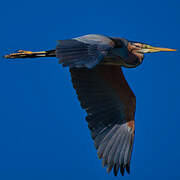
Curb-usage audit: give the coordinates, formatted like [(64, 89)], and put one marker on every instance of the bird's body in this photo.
[(95, 63), (96, 49)]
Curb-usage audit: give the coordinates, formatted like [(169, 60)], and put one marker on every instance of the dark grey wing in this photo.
[(110, 104), (84, 51)]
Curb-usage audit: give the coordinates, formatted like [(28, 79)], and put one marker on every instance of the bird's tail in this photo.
[(30, 54)]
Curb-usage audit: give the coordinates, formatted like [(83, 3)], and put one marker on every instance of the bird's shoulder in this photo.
[(96, 39)]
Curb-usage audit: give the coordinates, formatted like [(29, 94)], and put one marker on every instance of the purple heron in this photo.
[(95, 63)]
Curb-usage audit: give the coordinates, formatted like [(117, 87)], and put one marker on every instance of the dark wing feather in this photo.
[(84, 51), (110, 104)]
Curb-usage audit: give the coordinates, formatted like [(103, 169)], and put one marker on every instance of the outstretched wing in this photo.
[(110, 104), (84, 51)]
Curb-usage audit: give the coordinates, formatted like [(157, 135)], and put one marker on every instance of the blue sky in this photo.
[(43, 133)]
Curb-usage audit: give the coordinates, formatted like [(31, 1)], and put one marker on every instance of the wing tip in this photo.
[(116, 167)]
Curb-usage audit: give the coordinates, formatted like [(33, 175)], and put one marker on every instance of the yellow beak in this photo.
[(150, 49)]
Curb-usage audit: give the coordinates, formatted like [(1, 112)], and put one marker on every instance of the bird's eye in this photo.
[(146, 46)]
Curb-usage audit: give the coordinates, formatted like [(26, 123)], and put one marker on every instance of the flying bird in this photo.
[(95, 63)]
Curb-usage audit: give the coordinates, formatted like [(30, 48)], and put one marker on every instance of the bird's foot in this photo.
[(25, 54), (20, 53)]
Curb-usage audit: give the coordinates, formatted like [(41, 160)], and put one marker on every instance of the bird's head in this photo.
[(145, 48), (132, 53), (139, 49)]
